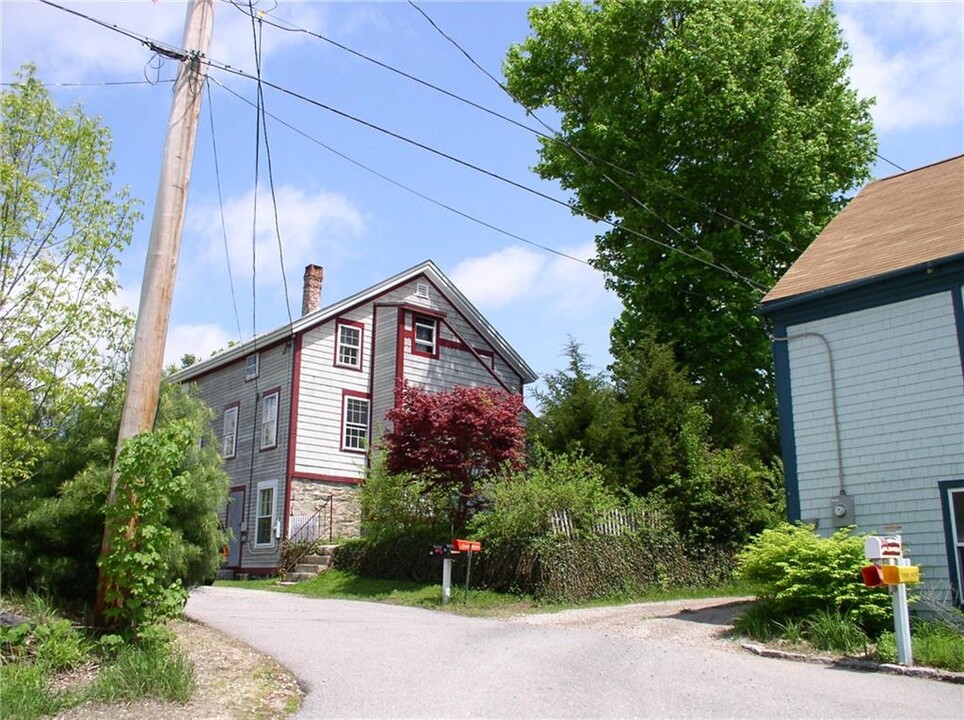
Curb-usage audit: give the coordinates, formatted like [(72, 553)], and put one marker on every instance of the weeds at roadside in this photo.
[(40, 655)]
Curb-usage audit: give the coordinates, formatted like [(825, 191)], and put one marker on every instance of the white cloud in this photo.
[(318, 227), (68, 48), (496, 280), (199, 340), (513, 275), (908, 55)]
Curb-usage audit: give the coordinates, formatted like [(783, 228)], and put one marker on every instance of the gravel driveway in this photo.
[(371, 660)]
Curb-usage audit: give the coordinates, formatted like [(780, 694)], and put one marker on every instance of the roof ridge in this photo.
[(918, 169)]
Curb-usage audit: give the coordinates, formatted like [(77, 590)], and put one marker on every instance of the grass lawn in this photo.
[(338, 584)]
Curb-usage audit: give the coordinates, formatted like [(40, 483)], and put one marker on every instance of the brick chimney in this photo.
[(311, 295)]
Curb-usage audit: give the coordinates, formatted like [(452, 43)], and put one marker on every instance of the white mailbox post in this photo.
[(888, 551)]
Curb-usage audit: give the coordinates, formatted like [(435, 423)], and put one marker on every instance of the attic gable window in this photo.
[(426, 336), (252, 366), (421, 290)]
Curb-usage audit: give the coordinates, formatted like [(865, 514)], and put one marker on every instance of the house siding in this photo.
[(251, 465), (320, 398), (900, 400)]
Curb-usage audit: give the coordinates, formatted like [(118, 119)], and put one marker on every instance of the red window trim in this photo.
[(360, 326), (436, 345), (345, 394)]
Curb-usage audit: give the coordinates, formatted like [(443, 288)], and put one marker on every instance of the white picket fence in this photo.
[(613, 522)]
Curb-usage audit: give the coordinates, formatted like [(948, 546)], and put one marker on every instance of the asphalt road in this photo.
[(369, 660)]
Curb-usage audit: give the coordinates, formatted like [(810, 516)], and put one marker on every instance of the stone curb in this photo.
[(857, 664)]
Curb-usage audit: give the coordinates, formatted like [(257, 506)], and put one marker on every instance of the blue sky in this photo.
[(362, 228)]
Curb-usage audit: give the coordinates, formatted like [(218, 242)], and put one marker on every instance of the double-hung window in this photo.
[(355, 423), (252, 365), (269, 419), (952, 500), (264, 526), (348, 352), (229, 433), (426, 336)]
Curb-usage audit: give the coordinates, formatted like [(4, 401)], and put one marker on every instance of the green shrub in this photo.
[(398, 505), (798, 573), (523, 501), (760, 622)]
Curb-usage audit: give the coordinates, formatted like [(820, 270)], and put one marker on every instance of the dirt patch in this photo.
[(234, 682), (706, 622)]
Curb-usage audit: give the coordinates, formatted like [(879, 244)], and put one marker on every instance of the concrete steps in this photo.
[(313, 565)]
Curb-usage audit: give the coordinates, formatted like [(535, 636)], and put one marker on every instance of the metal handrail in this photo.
[(307, 536)]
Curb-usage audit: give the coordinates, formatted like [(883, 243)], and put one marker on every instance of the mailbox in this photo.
[(901, 574), (872, 575), (877, 547), (442, 551), (467, 545)]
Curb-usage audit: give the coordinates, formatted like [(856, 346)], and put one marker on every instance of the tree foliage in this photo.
[(454, 439), (62, 227), (53, 525), (629, 422), (728, 132)]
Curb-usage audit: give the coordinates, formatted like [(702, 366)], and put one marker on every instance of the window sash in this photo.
[(349, 346), (269, 421), (264, 526), (229, 433), (355, 432), (252, 365), (425, 336)]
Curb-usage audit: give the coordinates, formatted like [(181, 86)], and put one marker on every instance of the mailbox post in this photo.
[(891, 568), (448, 552)]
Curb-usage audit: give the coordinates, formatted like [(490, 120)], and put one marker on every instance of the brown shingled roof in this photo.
[(892, 224)]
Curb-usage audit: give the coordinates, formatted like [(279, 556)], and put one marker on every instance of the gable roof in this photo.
[(311, 320), (900, 222)]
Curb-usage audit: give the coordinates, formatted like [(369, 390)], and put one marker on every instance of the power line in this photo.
[(113, 83), (552, 135), (224, 233), (170, 51), (407, 188)]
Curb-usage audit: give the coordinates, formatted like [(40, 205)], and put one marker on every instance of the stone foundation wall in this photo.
[(309, 495)]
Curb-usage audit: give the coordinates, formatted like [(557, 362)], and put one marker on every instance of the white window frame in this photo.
[(252, 366), (271, 517), (420, 345), (269, 419), (340, 344), (354, 434), (229, 430)]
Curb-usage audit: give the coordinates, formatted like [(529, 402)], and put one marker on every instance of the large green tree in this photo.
[(719, 136), (63, 337)]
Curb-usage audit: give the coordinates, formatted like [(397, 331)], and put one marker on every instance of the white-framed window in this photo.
[(265, 520), (269, 419), (355, 423), (252, 365), (426, 330), (348, 352), (229, 432)]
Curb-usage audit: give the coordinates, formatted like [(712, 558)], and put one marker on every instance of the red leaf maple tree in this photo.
[(454, 438)]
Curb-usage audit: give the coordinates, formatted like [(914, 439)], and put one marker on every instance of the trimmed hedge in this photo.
[(553, 568)]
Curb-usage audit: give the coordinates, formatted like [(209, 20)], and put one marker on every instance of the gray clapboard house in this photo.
[(868, 342), (298, 407)]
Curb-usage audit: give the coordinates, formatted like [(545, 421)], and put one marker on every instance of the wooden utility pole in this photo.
[(160, 267)]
